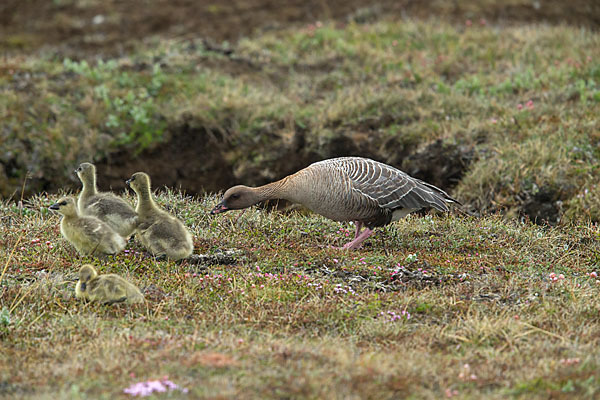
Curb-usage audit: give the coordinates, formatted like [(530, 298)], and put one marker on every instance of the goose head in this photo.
[(65, 206), (138, 182), (236, 198), (86, 172), (86, 274)]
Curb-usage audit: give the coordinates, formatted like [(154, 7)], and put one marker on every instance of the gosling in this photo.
[(158, 231), (106, 206), (106, 289), (87, 234)]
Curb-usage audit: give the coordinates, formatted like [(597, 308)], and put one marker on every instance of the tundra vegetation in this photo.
[(502, 115), (432, 306)]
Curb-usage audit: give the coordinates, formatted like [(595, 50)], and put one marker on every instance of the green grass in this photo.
[(524, 98), (296, 318)]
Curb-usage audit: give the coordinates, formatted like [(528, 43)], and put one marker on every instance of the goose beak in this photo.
[(219, 208), (128, 182), (54, 206)]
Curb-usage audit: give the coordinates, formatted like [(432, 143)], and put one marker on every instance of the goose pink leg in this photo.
[(358, 237), (356, 243), (359, 226)]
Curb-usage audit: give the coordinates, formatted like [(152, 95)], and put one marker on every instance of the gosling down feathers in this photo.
[(87, 234), (158, 231), (105, 289), (106, 206), (356, 189)]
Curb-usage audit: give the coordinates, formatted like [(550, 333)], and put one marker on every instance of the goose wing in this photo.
[(106, 204), (391, 188), (115, 290)]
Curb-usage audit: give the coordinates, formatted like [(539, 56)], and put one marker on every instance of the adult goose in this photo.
[(357, 189), (158, 231), (106, 206)]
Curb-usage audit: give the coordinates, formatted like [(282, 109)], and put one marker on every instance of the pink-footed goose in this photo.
[(106, 289), (106, 206), (87, 234), (356, 189), (160, 232)]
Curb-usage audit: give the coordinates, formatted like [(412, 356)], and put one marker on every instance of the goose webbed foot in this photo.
[(357, 242)]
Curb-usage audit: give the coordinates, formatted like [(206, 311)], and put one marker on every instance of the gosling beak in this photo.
[(219, 208), (83, 285), (54, 206)]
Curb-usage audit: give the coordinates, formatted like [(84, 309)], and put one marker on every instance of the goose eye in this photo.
[(235, 196)]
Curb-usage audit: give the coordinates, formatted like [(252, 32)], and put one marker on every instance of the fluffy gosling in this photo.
[(106, 206), (158, 231), (87, 234), (105, 289)]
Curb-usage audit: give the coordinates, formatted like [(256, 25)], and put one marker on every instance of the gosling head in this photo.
[(236, 198), (65, 206), (86, 274), (86, 172), (139, 181)]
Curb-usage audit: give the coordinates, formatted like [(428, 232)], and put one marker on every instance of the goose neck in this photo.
[(89, 187), (273, 190), (145, 200)]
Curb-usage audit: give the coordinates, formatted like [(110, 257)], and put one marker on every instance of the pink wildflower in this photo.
[(570, 361), (144, 389)]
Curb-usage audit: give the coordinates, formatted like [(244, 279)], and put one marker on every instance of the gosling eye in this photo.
[(63, 203), (79, 169)]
